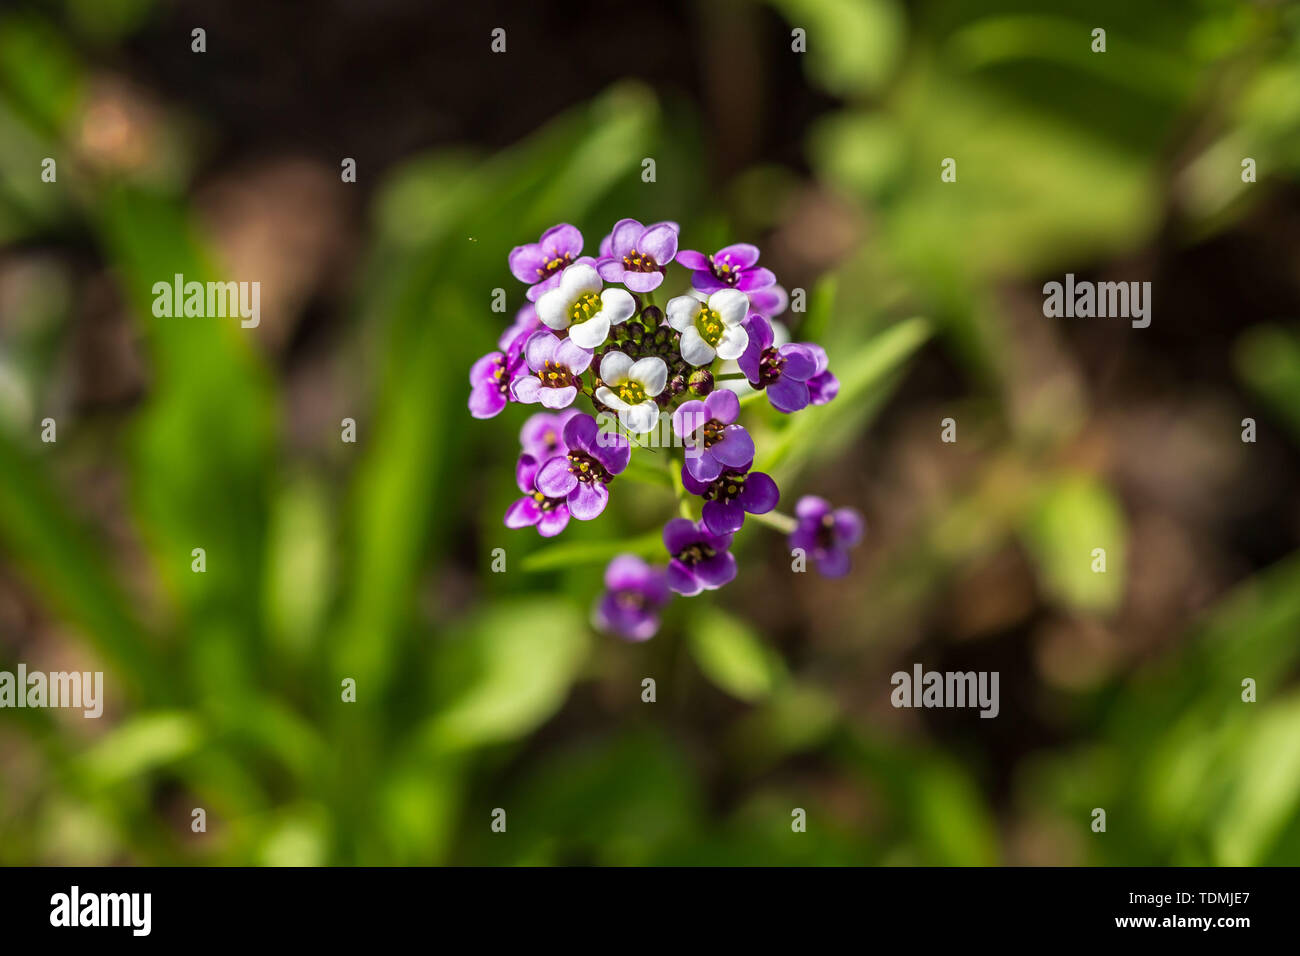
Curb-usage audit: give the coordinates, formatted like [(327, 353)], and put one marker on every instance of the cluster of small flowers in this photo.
[(689, 359)]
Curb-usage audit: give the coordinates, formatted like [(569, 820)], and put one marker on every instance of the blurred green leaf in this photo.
[(505, 673), (1073, 516), (858, 375), (565, 554), (732, 655), (141, 744), (852, 45), (1268, 359)]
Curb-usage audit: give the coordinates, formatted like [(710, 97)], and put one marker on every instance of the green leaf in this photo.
[(732, 655), (1268, 359), (868, 369), (569, 553), (506, 673), (141, 744), (1073, 517)]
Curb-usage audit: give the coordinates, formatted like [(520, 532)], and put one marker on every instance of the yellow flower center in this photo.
[(709, 324), (586, 305), (631, 392)]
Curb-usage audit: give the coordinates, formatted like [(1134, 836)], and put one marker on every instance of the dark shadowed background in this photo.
[(371, 561)]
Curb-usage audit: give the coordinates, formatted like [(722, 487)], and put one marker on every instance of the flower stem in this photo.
[(683, 499), (729, 377), (774, 519)]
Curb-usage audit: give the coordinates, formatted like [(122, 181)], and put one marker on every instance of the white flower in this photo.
[(579, 305), (710, 327), (630, 389)]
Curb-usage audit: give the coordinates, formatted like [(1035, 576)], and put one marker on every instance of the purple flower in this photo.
[(525, 324), (557, 365), (699, 558), (713, 440), (731, 267), (588, 465), (823, 386), (769, 302), (543, 434), (541, 263), (634, 594), (635, 255), (733, 494), (783, 372), (490, 379), (826, 535), (549, 515)]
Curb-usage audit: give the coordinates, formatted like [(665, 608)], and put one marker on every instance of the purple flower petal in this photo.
[(770, 301), (750, 360), (703, 467), (611, 270), (682, 580), (707, 283), (693, 260), (613, 451), (528, 389), (554, 479), (723, 517), (526, 472), (811, 508), (739, 255), (690, 417), (573, 356), (848, 526), (643, 281), (833, 563), (553, 521), (486, 401), (540, 349), (753, 280), (580, 433), (723, 405), (588, 500), (760, 330), (623, 238), (760, 494), (717, 570), (800, 364), (692, 484), (523, 513), (823, 388), (680, 534), (735, 448), (788, 395), (626, 572), (527, 263), (557, 397), (659, 242), (561, 240), (804, 538)]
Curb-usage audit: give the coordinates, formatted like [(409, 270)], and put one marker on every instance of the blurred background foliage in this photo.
[(371, 561)]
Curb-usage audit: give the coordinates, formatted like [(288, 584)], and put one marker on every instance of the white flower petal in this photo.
[(553, 309), (732, 305), (651, 372), (590, 334), (640, 418), (695, 350), (607, 398), (733, 343), (577, 280), (617, 305), (614, 368), (681, 311)]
